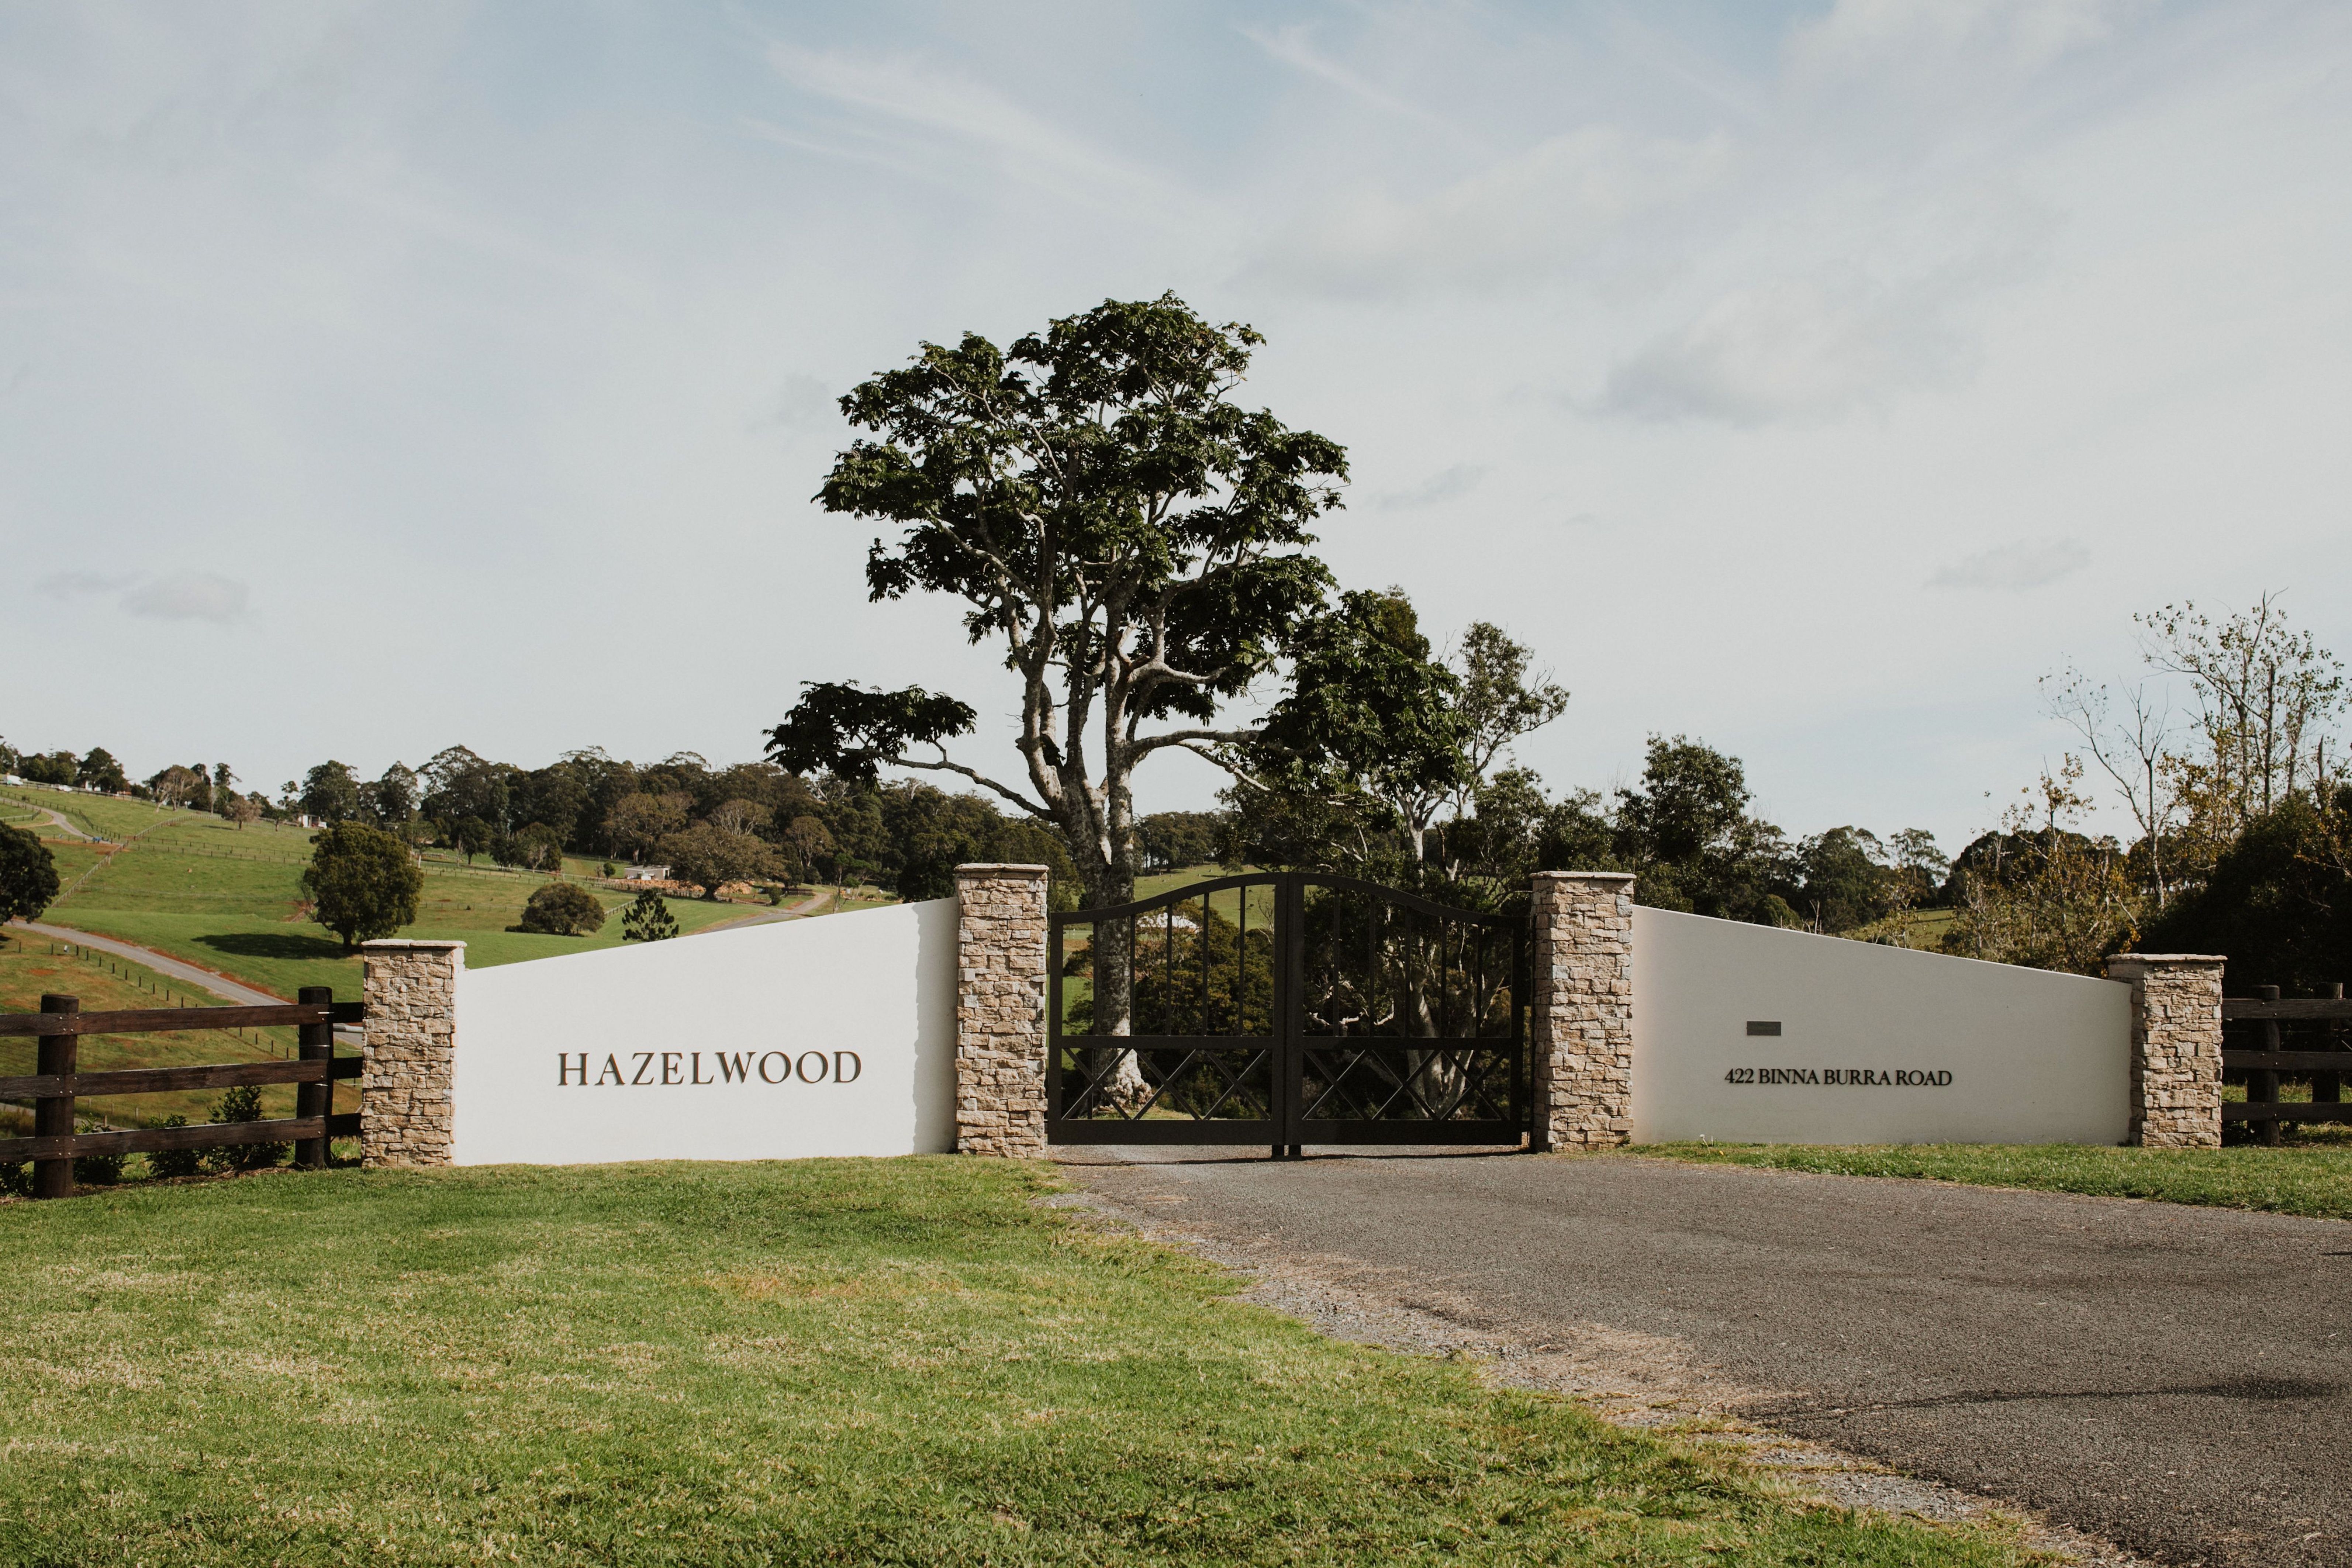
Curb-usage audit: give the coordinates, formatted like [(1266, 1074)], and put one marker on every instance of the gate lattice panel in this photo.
[(1288, 1008)]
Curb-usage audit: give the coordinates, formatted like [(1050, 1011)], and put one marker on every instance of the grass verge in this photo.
[(896, 1361), (2313, 1179)]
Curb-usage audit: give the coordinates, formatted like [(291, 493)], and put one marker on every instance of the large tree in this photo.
[(361, 881), (28, 875), (1132, 540), (713, 857), (330, 793)]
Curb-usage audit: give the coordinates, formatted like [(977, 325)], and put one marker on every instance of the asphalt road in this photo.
[(221, 985), (2170, 1378)]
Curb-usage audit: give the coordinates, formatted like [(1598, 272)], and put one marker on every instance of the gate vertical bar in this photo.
[(1290, 1074), (1056, 940), (1537, 1074), (53, 1114)]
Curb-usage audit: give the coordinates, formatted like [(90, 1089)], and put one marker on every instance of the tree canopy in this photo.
[(361, 881), (1134, 540), (28, 875)]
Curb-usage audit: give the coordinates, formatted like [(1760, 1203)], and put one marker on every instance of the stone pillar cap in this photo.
[(1591, 876), (2169, 958), (435, 944), (1000, 869)]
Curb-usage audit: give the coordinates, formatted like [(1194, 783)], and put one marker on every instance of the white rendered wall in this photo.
[(1868, 1035), (782, 1041)]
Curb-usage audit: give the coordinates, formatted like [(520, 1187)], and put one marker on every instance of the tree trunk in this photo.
[(1114, 967)]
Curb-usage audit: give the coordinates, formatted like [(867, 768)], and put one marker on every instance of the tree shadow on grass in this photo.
[(273, 944)]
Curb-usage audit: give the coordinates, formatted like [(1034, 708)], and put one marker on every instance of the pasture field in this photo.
[(1227, 904), (2310, 1174), (902, 1361), (105, 816), (201, 889), (29, 966)]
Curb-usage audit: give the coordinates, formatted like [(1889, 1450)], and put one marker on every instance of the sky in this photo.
[(1809, 378)]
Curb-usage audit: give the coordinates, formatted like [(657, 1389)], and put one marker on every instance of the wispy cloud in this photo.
[(189, 596), (2013, 568), (1810, 342), (910, 107), (1451, 484), (1528, 218), (1798, 349), (84, 584), (171, 597), (1290, 46), (1868, 37)]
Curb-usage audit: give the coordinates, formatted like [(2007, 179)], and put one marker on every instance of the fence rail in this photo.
[(2326, 1067), (58, 1082), (161, 1020)]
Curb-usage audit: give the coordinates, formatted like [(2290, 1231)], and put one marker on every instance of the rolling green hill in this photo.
[(201, 889)]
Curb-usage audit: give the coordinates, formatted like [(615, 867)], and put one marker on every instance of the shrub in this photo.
[(98, 1170), (243, 1103), (647, 920), (15, 1178), (168, 1163), (562, 909)]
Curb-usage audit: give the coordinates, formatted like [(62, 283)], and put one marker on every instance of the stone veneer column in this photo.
[(1001, 1011), (406, 1110), (2176, 1055), (1583, 1006)]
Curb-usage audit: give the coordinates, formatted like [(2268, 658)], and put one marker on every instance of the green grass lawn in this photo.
[(902, 1362), (2310, 1175)]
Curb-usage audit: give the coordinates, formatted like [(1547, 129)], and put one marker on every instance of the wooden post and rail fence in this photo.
[(2325, 1066), (58, 1083)]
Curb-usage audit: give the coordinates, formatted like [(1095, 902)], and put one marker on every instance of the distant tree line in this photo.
[(710, 823), (195, 787)]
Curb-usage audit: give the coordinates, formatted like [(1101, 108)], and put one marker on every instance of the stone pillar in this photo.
[(1582, 1031), (1001, 1011), (408, 1114), (2176, 1054)]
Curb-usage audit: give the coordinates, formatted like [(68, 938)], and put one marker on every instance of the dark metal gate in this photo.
[(1288, 1008)]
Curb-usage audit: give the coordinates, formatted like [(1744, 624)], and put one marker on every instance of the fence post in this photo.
[(407, 1111), (315, 1042), (1583, 1020), (1001, 1010), (53, 1114), (2176, 1047), (2327, 1088), (2262, 1084)]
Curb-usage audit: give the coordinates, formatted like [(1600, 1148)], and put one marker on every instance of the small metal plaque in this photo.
[(1764, 1026)]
